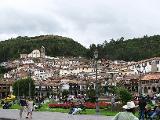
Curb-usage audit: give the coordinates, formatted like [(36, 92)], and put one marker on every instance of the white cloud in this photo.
[(86, 21)]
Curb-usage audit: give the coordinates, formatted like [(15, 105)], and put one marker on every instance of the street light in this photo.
[(29, 84), (97, 106), (138, 68), (18, 90)]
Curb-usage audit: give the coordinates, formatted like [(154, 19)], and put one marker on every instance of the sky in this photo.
[(85, 21)]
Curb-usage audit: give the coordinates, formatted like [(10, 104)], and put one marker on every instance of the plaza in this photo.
[(8, 114)]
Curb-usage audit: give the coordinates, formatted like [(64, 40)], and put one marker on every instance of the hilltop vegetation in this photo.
[(121, 49), (55, 46), (129, 50)]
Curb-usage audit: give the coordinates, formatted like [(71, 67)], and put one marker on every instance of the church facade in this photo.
[(35, 53)]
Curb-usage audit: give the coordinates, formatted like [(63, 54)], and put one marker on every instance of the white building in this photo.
[(42, 74), (75, 70), (27, 61), (7, 75), (146, 66), (35, 54)]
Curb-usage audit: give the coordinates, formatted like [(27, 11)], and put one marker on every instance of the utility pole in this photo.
[(40, 89), (29, 84), (97, 106), (139, 82)]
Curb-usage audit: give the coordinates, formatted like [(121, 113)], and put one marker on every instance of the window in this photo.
[(143, 82), (145, 64), (4, 87), (157, 62)]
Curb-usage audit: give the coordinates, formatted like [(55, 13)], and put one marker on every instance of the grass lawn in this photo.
[(87, 112), (15, 106)]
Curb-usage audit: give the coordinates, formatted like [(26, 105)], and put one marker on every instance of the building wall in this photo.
[(35, 54), (150, 86), (23, 55), (42, 52), (75, 71), (27, 61), (146, 67)]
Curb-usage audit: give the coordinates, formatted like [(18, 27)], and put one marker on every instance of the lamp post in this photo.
[(96, 87), (18, 90), (29, 84), (40, 93), (138, 68)]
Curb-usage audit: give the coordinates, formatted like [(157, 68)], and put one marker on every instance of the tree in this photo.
[(55, 46), (65, 93), (124, 95), (91, 93), (24, 87)]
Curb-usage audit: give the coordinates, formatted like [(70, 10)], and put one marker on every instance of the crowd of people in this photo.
[(148, 107)]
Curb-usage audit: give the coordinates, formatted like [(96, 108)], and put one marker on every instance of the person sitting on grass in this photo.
[(128, 114), (74, 109)]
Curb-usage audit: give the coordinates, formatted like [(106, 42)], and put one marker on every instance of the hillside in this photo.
[(121, 49), (131, 49), (55, 46)]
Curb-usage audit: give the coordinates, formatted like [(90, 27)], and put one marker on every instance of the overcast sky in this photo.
[(86, 21)]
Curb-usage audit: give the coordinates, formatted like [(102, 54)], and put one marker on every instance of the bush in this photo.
[(124, 95), (91, 99)]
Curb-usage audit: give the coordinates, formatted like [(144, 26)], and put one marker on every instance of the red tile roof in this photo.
[(151, 76)]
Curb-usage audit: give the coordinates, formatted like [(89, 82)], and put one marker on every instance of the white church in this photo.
[(35, 54)]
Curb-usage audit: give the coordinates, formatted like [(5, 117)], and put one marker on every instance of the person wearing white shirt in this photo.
[(128, 114)]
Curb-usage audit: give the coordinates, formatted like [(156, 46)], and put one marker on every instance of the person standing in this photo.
[(142, 106), (30, 108), (23, 105), (113, 102), (128, 114)]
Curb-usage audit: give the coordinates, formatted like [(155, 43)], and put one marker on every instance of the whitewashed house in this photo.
[(146, 66)]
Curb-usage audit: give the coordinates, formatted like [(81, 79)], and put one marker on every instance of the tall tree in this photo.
[(24, 87)]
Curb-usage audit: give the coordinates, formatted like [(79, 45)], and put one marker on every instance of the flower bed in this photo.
[(59, 105), (88, 105)]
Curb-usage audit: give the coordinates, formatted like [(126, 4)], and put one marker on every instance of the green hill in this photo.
[(129, 50), (55, 46)]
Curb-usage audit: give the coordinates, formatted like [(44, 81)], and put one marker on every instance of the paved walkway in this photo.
[(14, 115)]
